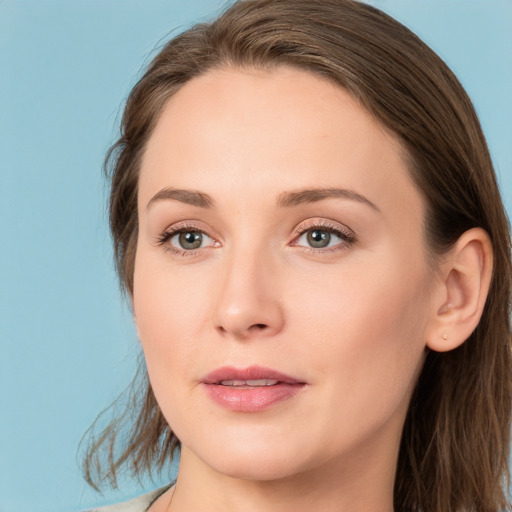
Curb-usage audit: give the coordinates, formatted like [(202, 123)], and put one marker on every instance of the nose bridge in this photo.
[(248, 297)]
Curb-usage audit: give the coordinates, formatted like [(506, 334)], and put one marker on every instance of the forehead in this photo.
[(266, 131)]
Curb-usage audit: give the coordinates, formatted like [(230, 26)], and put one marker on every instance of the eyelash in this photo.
[(169, 233), (347, 236)]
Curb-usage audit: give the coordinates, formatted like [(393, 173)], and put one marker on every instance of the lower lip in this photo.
[(251, 399)]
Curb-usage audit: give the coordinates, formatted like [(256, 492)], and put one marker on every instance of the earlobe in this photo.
[(466, 277)]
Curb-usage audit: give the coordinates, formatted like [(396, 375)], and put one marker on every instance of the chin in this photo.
[(264, 467), (259, 454)]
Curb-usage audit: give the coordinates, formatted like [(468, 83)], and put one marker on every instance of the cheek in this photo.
[(169, 310), (364, 302), (366, 330)]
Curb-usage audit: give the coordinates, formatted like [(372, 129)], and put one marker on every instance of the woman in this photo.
[(307, 222)]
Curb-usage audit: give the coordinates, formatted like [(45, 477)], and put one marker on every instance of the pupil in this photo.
[(318, 238), (191, 239)]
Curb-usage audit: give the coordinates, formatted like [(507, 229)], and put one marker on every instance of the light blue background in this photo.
[(67, 343)]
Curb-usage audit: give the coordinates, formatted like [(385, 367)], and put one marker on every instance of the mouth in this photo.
[(252, 389)]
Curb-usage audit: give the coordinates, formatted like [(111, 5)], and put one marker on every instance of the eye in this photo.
[(184, 240), (318, 237)]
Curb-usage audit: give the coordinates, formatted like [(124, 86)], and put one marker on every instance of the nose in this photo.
[(248, 302)]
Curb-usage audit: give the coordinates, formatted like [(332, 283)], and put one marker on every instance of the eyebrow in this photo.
[(192, 197), (290, 199), (284, 200)]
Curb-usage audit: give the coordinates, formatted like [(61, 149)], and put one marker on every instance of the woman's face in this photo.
[(282, 290)]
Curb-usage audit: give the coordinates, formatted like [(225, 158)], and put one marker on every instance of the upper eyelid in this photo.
[(323, 224), (170, 231), (187, 225), (311, 224)]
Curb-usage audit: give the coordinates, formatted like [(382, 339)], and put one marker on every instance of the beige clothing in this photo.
[(140, 504)]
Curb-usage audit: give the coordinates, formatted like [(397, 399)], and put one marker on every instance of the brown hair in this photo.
[(455, 442)]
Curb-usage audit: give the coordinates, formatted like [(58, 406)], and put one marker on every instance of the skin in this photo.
[(353, 320)]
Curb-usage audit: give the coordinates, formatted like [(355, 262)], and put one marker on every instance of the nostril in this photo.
[(260, 327)]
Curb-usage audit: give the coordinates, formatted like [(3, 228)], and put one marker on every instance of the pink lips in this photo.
[(228, 387)]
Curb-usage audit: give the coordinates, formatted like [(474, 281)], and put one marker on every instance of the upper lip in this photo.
[(251, 373)]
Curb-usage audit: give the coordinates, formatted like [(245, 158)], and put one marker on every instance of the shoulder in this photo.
[(139, 504)]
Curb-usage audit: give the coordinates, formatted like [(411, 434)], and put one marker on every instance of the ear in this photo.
[(465, 277)]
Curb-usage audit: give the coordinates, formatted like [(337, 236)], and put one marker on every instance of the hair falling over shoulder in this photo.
[(456, 439)]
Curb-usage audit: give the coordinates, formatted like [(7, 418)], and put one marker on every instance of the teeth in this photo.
[(252, 383), (233, 383), (261, 382)]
